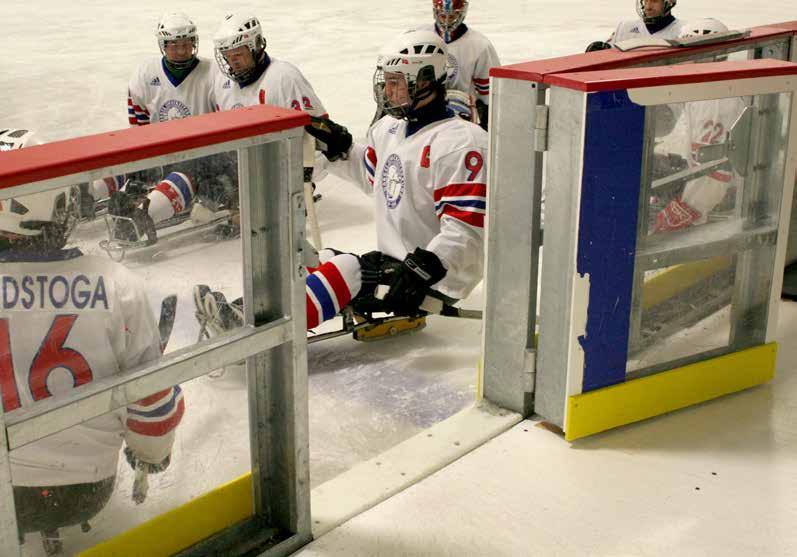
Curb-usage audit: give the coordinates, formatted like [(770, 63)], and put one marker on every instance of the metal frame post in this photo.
[(9, 536), (513, 245), (273, 218)]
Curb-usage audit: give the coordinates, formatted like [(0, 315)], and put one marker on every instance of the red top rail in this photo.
[(71, 156), (537, 71), (634, 78)]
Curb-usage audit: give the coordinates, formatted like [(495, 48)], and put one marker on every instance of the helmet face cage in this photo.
[(668, 6), (449, 14), (425, 78), (175, 27), (236, 32)]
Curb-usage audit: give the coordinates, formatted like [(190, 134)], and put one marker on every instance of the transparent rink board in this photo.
[(708, 225)]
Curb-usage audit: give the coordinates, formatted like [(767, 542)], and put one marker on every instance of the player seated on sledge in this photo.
[(426, 169), (67, 320), (247, 75)]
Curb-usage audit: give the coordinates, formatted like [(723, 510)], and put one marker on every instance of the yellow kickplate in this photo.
[(673, 281), (184, 526), (638, 399)]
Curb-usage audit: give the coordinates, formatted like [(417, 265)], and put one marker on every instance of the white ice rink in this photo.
[(64, 74)]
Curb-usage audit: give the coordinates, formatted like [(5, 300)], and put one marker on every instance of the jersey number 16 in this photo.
[(51, 355)]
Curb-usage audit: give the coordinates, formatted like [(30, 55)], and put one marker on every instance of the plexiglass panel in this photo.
[(708, 224), (151, 262)]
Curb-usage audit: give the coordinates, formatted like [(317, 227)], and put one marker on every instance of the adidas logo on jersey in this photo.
[(156, 81), (393, 129), (226, 85), (634, 30)]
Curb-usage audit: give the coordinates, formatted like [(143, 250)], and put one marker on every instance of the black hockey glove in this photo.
[(598, 45), (412, 280), (376, 268), (333, 139), (136, 463), (484, 112)]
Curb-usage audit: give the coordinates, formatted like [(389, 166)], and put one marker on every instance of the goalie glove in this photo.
[(333, 139), (412, 280), (677, 215)]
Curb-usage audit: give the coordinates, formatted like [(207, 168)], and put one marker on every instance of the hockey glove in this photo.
[(333, 139), (677, 215), (484, 113), (148, 467), (412, 280), (598, 45), (376, 268), (137, 225)]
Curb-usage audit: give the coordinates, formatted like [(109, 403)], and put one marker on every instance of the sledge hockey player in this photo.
[(470, 55), (67, 319), (174, 85), (655, 20), (426, 169), (707, 123), (249, 76)]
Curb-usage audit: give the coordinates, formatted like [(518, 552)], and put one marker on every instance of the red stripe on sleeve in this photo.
[(460, 190), (338, 283), (312, 312), (473, 219), (481, 81), (157, 429), (371, 154)]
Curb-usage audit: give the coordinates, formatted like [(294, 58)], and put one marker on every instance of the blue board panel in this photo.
[(607, 232)]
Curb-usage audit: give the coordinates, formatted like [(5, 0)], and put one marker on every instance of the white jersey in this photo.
[(708, 123), (282, 84), (430, 191), (470, 57), (636, 29), (154, 95), (66, 321)]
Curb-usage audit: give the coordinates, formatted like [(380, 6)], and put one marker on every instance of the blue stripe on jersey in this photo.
[(142, 117), (322, 295), (461, 203), (160, 411), (182, 185)]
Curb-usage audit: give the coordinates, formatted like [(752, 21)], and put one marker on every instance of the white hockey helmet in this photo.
[(52, 214), (705, 26), (175, 26), (420, 56), (640, 9), (239, 30), (449, 14), (11, 138)]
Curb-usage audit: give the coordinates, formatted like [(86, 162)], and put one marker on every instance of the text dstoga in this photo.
[(58, 292)]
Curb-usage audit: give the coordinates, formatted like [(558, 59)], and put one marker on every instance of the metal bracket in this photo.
[(540, 129)]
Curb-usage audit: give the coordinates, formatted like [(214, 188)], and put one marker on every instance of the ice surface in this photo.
[(65, 72)]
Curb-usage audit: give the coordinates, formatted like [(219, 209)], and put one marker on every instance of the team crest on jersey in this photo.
[(173, 110), (453, 69), (393, 181), (236, 106), (155, 81)]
